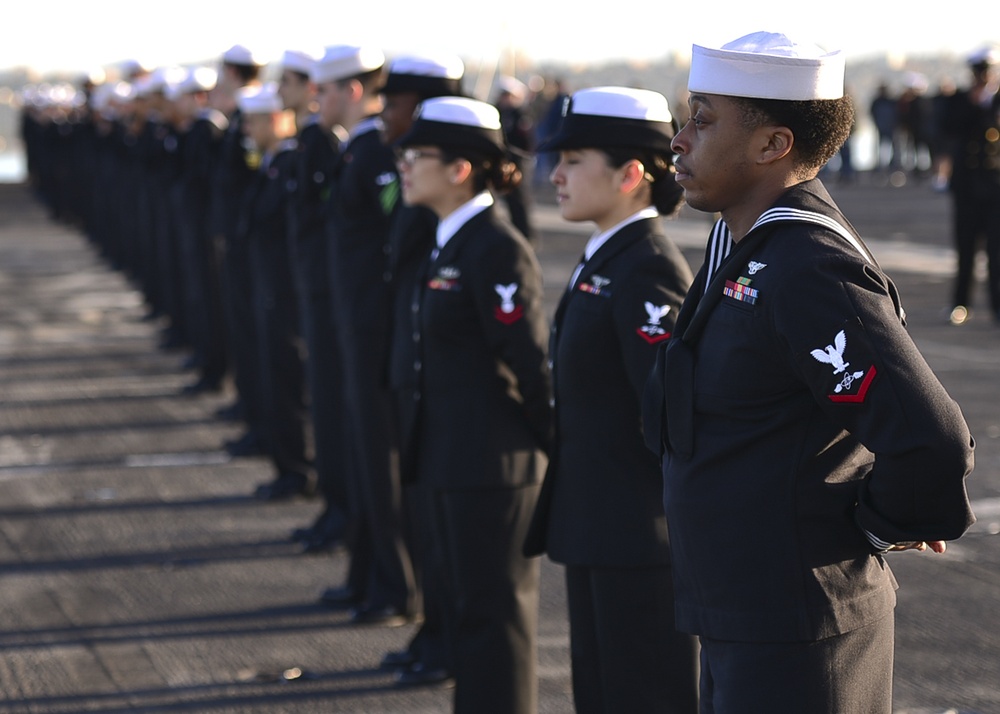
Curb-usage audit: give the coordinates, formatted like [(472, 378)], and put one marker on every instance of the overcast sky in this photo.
[(81, 35)]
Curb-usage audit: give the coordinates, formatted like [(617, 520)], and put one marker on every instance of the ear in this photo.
[(460, 171), (357, 90), (777, 144), (633, 173)]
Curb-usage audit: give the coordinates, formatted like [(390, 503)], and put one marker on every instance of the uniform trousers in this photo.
[(241, 328), (430, 644), (375, 483), (976, 217), (203, 298), (168, 261), (281, 386), (845, 673), (327, 399), (626, 654), (491, 608)]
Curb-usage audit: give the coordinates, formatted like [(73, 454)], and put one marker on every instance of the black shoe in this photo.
[(171, 340), (387, 616), (328, 519), (247, 445), (327, 533), (284, 487), (340, 598), (304, 535), (417, 675), (233, 412), (326, 543), (202, 386), (400, 659)]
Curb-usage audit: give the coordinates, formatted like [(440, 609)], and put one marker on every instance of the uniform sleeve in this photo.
[(508, 293), (645, 310), (850, 348)]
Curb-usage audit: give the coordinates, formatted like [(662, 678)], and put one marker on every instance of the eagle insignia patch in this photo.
[(850, 385), (507, 312), (652, 332)]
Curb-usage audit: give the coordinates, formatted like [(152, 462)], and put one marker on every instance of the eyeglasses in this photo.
[(410, 156)]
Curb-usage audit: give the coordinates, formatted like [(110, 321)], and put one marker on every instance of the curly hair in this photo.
[(820, 126)]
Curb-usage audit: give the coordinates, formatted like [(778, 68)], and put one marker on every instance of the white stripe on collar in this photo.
[(720, 243), (773, 215), (363, 127)]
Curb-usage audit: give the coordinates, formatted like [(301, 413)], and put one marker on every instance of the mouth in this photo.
[(680, 172), (560, 197)]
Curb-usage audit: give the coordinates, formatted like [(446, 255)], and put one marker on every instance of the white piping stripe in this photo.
[(780, 214)]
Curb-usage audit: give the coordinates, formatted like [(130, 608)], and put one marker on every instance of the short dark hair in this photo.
[(667, 195), (246, 72), (370, 80), (820, 126)]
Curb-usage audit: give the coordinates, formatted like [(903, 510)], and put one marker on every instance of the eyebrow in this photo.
[(702, 98)]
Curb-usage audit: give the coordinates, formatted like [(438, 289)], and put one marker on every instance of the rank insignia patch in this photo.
[(741, 291), (850, 385), (507, 312), (652, 332)]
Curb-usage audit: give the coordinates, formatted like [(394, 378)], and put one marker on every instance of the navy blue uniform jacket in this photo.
[(602, 500), (799, 414), (484, 417)]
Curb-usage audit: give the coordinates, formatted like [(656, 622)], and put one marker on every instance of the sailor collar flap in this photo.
[(690, 325)]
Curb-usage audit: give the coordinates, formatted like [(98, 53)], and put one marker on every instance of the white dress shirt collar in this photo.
[(450, 224)]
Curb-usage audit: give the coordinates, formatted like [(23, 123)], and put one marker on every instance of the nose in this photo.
[(677, 143), (556, 177)]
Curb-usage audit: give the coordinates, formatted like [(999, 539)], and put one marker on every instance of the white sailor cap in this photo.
[(517, 89), (298, 61), (131, 68), (263, 99), (100, 98), (427, 75), (196, 79), (767, 65), (345, 61), (457, 123), (614, 117), (984, 57), (238, 54), (157, 81)]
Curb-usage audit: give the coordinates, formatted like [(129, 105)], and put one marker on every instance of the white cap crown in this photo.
[(262, 99), (344, 61), (767, 65)]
